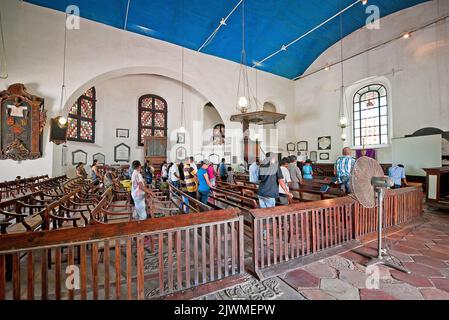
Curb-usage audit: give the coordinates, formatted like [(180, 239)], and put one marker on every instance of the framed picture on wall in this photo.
[(79, 156), (324, 143), (302, 146), (100, 157), (290, 147), (313, 156), (64, 156), (180, 137), (324, 155), (181, 153), (122, 153), (122, 133)]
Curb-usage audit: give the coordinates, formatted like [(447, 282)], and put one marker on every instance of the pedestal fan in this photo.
[(368, 184)]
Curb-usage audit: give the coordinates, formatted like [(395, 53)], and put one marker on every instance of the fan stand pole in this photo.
[(381, 259)]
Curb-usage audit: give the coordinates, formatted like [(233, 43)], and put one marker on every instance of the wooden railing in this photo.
[(400, 205), (284, 233), (112, 261)]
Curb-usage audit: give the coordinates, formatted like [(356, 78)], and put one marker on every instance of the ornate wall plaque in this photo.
[(122, 153), (22, 123), (79, 156), (324, 143), (100, 157), (290, 146), (181, 153), (302, 146)]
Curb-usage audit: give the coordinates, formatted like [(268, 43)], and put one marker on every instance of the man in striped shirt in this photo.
[(190, 179), (342, 170)]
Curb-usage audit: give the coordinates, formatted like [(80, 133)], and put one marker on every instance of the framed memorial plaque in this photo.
[(122, 133), (181, 153), (324, 156), (180, 137), (313, 156), (290, 147), (79, 156), (302, 146), (122, 153), (324, 143), (100, 157)]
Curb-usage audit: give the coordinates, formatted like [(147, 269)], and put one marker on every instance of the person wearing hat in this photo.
[(204, 183)]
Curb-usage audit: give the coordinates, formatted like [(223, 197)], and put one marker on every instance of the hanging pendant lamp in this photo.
[(62, 121)]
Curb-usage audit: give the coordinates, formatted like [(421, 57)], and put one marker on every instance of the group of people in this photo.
[(276, 180), (108, 179)]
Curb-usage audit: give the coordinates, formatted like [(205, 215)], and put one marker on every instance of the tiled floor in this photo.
[(423, 249)]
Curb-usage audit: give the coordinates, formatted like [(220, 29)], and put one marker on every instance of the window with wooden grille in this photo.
[(81, 119), (152, 117)]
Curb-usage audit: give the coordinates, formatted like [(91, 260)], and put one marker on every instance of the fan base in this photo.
[(383, 259)]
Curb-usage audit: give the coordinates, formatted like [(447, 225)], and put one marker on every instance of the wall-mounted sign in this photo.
[(122, 153)]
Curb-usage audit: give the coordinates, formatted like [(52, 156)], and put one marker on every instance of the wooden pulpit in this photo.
[(155, 150)]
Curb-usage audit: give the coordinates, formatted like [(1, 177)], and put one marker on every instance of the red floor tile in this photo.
[(422, 270), (442, 283), (301, 279), (432, 262), (368, 294), (434, 294), (414, 280)]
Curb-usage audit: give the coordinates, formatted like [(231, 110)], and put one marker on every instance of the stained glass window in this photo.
[(152, 117), (81, 120), (370, 116), (219, 134)]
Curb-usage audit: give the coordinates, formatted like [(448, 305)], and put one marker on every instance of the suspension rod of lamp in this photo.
[(374, 47), (126, 16), (285, 47), (4, 74), (62, 121), (222, 23)]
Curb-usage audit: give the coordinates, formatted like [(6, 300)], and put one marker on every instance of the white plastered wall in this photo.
[(416, 70), (96, 53)]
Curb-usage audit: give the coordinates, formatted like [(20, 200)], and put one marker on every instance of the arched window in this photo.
[(81, 119), (370, 116), (219, 134), (152, 117)]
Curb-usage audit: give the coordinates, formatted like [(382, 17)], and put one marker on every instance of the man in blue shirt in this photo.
[(254, 171), (343, 168), (271, 177), (397, 173), (222, 170)]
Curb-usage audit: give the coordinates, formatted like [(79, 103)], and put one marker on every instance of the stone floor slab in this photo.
[(435, 254), (339, 289), (414, 280), (355, 278), (402, 291), (441, 283), (301, 279), (374, 294), (422, 270), (321, 270), (434, 294), (431, 262), (316, 294)]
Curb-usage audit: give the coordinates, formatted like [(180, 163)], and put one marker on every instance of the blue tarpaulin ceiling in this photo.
[(269, 25)]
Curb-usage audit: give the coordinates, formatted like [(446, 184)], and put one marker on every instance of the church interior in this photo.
[(224, 150)]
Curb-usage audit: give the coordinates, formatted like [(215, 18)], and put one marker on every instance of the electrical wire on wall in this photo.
[(4, 68)]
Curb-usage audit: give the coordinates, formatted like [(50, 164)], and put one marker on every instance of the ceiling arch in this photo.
[(269, 25)]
